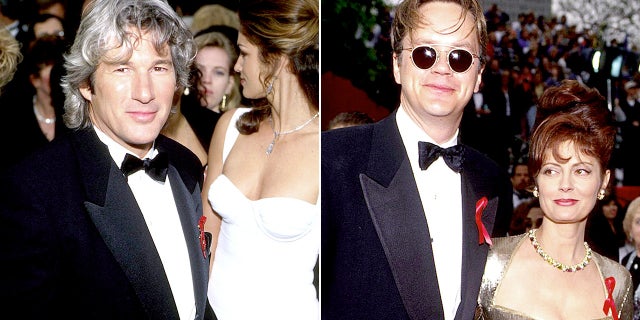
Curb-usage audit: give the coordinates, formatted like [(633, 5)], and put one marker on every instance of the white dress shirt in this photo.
[(441, 194), (158, 207)]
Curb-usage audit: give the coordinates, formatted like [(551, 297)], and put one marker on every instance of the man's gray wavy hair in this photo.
[(104, 21)]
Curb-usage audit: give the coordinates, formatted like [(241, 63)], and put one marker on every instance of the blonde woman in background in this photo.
[(215, 28), (214, 15), (214, 84), (218, 88), (631, 261), (10, 57)]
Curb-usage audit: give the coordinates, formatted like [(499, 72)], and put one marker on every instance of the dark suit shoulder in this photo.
[(347, 139), (345, 151), (48, 160), (51, 174), (176, 149), (479, 161), (491, 180), (185, 161)]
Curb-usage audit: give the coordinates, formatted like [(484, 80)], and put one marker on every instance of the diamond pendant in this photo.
[(270, 147)]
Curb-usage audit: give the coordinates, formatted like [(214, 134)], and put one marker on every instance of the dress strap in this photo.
[(232, 132)]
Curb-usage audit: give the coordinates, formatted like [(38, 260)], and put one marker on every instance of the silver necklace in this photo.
[(41, 118), (277, 134)]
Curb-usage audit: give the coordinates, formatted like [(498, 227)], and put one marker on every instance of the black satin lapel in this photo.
[(94, 163), (401, 225), (189, 217), (474, 254), (124, 230)]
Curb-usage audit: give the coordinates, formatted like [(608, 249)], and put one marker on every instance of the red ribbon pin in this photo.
[(483, 235), (609, 304), (203, 239)]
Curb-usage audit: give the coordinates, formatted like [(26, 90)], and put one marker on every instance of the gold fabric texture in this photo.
[(498, 263)]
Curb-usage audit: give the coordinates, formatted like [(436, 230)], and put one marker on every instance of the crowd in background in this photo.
[(527, 55)]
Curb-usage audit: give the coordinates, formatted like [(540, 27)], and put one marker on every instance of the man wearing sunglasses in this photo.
[(407, 212)]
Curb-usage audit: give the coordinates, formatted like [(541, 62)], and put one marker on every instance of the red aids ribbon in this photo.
[(609, 304), (483, 235), (203, 239)]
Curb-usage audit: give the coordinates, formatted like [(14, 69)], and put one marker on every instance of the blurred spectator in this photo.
[(13, 16), (214, 89), (219, 84), (495, 17), (604, 231), (214, 85), (526, 216), (630, 133), (484, 122), (35, 118), (210, 23), (348, 119), (521, 181), (10, 57), (214, 15), (47, 24), (53, 7), (632, 260)]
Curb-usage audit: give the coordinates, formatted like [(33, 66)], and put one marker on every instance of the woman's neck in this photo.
[(43, 104)]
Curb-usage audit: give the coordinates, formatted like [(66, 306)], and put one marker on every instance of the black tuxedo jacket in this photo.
[(74, 243), (376, 256)]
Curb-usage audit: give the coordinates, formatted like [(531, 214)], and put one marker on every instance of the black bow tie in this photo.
[(429, 152), (156, 168)]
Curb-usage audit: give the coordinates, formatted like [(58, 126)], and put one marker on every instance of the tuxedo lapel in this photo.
[(189, 216), (117, 217), (474, 186), (395, 207), (473, 254)]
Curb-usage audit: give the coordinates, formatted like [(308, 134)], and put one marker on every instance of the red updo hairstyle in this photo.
[(572, 112)]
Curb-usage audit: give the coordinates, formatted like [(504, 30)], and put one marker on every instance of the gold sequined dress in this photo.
[(498, 262)]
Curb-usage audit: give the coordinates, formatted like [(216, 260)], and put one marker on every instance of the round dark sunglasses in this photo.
[(425, 57)]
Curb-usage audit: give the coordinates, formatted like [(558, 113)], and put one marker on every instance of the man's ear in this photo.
[(396, 67), (86, 92), (479, 80)]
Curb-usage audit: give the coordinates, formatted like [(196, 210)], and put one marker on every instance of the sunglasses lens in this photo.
[(424, 57), (460, 60)]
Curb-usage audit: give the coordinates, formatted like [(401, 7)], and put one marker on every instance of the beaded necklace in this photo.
[(553, 262)]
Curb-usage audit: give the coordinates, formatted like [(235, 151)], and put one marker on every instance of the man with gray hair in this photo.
[(106, 222)]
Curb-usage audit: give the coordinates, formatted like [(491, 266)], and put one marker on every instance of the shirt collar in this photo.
[(117, 151), (412, 133)]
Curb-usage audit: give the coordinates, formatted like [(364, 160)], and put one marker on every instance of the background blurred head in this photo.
[(10, 57), (215, 28)]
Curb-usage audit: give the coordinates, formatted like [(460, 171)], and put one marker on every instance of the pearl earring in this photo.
[(601, 194), (535, 192)]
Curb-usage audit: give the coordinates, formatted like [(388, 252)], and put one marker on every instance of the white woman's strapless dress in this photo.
[(266, 252)]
